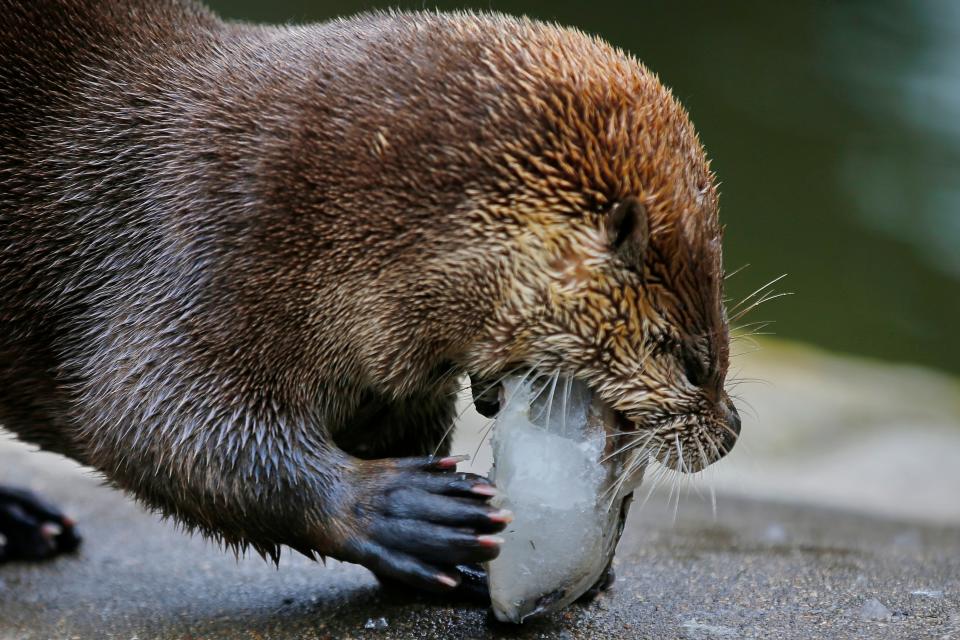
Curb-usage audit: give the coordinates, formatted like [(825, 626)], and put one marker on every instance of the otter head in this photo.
[(615, 253)]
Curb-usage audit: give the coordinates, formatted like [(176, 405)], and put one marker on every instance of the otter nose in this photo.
[(732, 432)]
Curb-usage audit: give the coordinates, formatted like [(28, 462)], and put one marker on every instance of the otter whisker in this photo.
[(713, 445), (744, 353), (766, 298), (743, 401), (523, 380), (630, 445), (452, 371), (503, 376), (683, 491), (661, 472), (727, 428), (703, 454), (450, 428), (639, 458), (752, 334), (616, 433), (762, 324), (759, 290), (543, 387), (723, 449), (616, 452), (683, 481), (752, 328), (553, 388), (705, 465), (485, 431), (655, 480), (633, 463), (549, 379), (713, 500), (483, 436), (737, 380), (657, 483), (747, 339), (666, 459), (680, 460), (735, 271), (636, 460), (674, 489)]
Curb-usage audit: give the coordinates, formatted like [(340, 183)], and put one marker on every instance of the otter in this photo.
[(244, 269)]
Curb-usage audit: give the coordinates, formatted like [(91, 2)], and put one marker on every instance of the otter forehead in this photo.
[(599, 128), (567, 113), (595, 127), (535, 123)]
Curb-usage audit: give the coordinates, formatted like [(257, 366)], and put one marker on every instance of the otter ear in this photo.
[(628, 230)]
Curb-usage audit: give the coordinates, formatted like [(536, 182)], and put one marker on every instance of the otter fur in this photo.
[(244, 268)]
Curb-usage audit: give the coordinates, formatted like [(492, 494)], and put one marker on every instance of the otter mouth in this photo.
[(686, 443), (623, 434), (487, 396), (623, 424), (689, 443)]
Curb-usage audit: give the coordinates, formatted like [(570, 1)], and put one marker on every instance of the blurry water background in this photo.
[(834, 128)]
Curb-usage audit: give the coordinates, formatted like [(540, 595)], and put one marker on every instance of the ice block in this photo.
[(553, 467)]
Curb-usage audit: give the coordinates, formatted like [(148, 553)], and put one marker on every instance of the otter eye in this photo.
[(694, 369), (628, 230)]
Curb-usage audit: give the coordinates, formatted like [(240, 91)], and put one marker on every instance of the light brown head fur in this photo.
[(614, 274)]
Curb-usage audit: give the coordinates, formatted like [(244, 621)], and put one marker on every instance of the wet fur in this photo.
[(236, 259)]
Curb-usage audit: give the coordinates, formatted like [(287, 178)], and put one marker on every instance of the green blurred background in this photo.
[(835, 130)]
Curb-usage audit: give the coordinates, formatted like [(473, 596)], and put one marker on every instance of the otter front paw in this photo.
[(33, 529), (418, 518)]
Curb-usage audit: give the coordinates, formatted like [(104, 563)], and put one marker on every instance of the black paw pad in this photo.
[(32, 529)]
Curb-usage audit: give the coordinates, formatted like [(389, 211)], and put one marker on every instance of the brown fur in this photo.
[(236, 259)]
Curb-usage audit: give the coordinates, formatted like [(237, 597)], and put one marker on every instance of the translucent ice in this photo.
[(376, 623), (553, 469), (873, 610)]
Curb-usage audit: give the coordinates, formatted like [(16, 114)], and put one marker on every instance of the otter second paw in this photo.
[(31, 528), (419, 518)]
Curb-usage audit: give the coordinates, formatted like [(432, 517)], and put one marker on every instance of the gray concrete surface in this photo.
[(757, 570), (853, 436)]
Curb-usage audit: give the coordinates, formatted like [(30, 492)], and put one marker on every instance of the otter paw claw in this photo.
[(422, 518), (32, 529)]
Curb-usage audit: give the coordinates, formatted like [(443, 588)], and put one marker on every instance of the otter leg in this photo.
[(422, 426), (32, 529), (419, 518)]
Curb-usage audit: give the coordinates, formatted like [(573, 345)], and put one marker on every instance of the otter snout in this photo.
[(731, 432)]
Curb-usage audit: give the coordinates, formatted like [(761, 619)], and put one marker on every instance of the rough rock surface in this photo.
[(759, 570)]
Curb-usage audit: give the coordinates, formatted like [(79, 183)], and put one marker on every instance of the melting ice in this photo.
[(551, 471)]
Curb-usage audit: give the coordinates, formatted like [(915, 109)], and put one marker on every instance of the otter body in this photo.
[(242, 268)]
